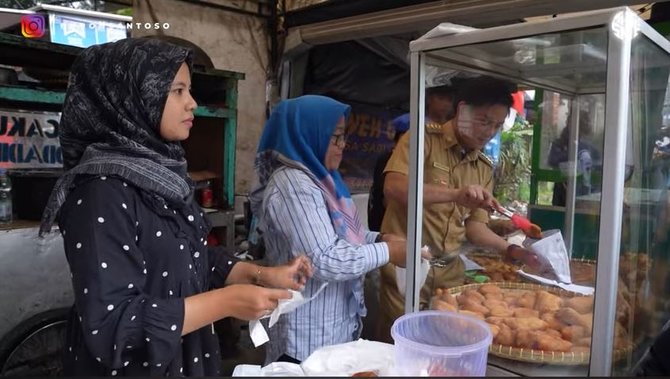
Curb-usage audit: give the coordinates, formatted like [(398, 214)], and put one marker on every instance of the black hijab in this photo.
[(111, 121)]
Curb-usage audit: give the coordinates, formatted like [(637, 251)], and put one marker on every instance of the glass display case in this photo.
[(602, 80)]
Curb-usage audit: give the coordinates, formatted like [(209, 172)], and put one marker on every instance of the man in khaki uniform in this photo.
[(458, 180)]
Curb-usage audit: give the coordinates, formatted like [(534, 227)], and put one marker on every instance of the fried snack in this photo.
[(547, 302), (472, 314), (366, 374), (582, 304), (512, 298), (583, 273), (494, 303), (534, 232), (495, 329), (552, 321), (622, 289), (444, 295), (526, 339), (571, 317), (573, 332), (473, 306), (494, 296), (620, 330), (441, 305), (527, 300), (623, 309), (505, 336), (510, 276), (496, 269), (526, 312), (474, 294), (546, 341), (490, 288), (587, 322), (620, 343), (449, 298), (584, 341), (541, 340), (501, 311), (531, 323), (495, 320), (553, 332), (496, 276)]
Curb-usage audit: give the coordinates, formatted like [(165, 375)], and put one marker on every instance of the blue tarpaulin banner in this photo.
[(370, 135)]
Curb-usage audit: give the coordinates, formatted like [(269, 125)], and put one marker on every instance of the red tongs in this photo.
[(531, 230)]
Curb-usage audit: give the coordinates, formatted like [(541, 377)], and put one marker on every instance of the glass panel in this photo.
[(545, 192), (642, 301), (574, 62), (570, 68)]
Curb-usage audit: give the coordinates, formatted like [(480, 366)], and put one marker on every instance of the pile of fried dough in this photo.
[(531, 319), (496, 269)]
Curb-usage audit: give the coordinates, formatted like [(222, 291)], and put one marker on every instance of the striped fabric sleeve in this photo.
[(299, 213)]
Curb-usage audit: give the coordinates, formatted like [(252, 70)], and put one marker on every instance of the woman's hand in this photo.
[(242, 301), (249, 302), (292, 275)]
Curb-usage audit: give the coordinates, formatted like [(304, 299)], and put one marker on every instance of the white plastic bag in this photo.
[(349, 358), (401, 275), (256, 330), (552, 248)]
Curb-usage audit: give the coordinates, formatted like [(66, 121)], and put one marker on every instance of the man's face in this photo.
[(477, 125)]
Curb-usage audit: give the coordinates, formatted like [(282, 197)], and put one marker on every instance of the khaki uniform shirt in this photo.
[(445, 163)]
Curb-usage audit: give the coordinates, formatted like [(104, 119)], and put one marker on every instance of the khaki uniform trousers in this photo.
[(392, 303)]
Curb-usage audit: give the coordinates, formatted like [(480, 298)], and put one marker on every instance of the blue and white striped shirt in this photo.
[(294, 220)]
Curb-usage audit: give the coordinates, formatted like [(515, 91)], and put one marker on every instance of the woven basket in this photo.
[(538, 356)]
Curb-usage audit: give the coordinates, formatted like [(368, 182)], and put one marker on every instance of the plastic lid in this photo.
[(451, 350)]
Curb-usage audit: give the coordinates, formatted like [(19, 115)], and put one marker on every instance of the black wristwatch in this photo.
[(379, 238)]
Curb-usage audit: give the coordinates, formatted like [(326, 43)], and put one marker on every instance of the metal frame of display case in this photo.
[(621, 24)]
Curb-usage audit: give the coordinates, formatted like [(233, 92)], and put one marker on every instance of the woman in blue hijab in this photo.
[(304, 207)]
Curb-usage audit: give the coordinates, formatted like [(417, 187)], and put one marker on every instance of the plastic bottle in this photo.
[(207, 196), (5, 197)]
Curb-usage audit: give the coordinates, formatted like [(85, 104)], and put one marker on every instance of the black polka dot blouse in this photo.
[(133, 259)]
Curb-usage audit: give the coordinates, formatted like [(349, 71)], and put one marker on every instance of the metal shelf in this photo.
[(29, 95)]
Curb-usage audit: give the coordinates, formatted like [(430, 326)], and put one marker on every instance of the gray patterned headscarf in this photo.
[(111, 121)]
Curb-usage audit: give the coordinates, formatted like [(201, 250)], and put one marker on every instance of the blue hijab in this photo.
[(297, 135)]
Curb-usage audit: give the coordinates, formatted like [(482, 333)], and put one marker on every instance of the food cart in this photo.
[(614, 67), (36, 290)]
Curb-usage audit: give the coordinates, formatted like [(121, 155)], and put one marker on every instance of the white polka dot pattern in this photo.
[(115, 251)]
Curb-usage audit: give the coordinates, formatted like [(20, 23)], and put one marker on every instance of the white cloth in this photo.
[(257, 332)]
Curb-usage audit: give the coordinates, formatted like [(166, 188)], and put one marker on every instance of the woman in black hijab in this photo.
[(147, 286)]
